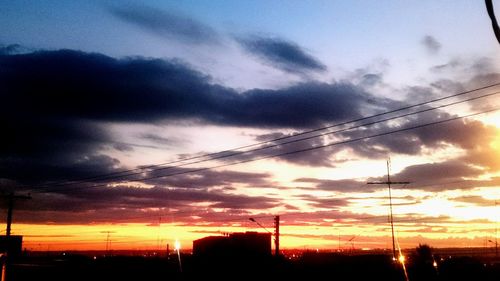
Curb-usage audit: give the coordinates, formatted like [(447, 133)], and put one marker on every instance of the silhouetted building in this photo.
[(246, 245), (12, 245)]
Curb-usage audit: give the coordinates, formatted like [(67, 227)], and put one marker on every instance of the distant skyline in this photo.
[(93, 88)]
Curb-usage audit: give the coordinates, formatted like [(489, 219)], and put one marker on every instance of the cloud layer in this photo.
[(56, 106), (96, 87), (431, 44), (273, 51), (167, 24), (281, 54)]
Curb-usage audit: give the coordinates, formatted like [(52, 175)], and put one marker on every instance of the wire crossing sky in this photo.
[(193, 116), (235, 152)]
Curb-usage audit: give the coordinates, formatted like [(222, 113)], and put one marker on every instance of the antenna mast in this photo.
[(388, 183)]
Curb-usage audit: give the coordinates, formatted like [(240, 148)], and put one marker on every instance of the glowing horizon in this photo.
[(136, 124)]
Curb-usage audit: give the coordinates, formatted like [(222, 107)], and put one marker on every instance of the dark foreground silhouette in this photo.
[(308, 266)]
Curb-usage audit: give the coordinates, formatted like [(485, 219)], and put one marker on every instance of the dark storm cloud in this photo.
[(30, 170), (55, 105), (92, 86), (282, 54), (38, 148), (167, 24), (33, 135), (302, 105), (96, 87), (431, 44)]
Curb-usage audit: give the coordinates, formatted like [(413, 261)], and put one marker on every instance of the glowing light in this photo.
[(435, 264), (402, 259), (177, 245)]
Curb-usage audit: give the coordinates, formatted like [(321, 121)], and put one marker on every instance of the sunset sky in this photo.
[(111, 112)]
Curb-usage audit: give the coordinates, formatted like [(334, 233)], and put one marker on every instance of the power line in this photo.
[(302, 150), (214, 156), (296, 151), (331, 144), (279, 144)]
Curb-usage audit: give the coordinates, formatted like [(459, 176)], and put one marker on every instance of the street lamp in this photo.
[(276, 234), (252, 219), (177, 246)]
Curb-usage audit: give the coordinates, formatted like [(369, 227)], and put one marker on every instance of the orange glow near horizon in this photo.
[(444, 223), (334, 236), (147, 139), (434, 218)]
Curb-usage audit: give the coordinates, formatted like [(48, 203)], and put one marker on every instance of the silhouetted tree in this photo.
[(423, 254), (422, 266)]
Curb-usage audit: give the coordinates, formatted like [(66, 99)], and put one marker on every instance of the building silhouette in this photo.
[(234, 245)]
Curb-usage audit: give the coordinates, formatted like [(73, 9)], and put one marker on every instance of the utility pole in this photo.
[(277, 236), (388, 183), (108, 240), (158, 236), (352, 243), (339, 243), (11, 197), (496, 232), (276, 233)]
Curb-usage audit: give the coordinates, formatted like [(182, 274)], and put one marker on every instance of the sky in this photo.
[(157, 121)]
